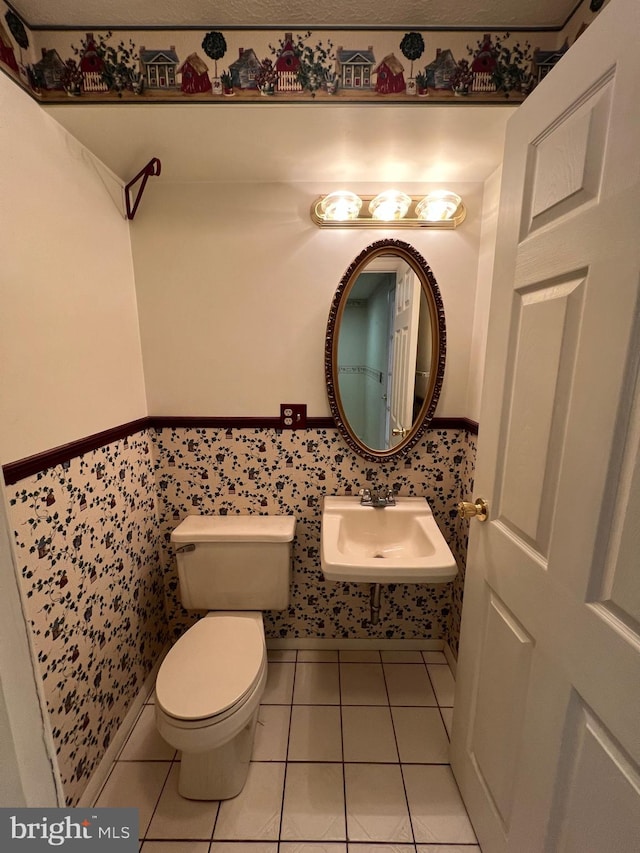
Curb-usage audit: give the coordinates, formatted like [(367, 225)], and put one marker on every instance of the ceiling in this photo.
[(500, 14), (296, 142), (293, 143)]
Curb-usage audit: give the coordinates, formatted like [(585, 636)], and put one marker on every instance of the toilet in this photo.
[(209, 686)]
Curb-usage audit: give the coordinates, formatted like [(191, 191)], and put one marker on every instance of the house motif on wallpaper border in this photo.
[(390, 76), (92, 67), (355, 68), (544, 60), (498, 67), (7, 55), (288, 66), (441, 71), (483, 66), (194, 74), (159, 67), (245, 69), (50, 70)]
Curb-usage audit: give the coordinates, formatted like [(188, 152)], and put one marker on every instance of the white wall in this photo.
[(491, 201), (234, 288), (71, 366), (70, 348)]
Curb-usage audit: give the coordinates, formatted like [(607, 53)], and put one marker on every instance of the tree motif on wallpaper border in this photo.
[(304, 65)]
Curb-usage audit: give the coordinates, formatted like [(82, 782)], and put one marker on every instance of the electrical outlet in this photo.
[(293, 415)]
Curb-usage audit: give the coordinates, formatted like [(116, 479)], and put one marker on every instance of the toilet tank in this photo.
[(234, 562)]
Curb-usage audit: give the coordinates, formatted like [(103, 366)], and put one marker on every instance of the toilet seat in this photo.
[(213, 669)]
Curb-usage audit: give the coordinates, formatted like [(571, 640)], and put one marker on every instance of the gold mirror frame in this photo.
[(430, 288)]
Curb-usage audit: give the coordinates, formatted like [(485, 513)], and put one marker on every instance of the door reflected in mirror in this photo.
[(385, 350)]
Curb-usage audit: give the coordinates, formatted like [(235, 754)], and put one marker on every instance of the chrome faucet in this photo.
[(377, 497)]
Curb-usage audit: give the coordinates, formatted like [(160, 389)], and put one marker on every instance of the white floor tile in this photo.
[(443, 684), (279, 687), (362, 684), (177, 817), (434, 657), (359, 656), (255, 813), (314, 803), (317, 684), (317, 655), (408, 684), (135, 783), (448, 848), (390, 704), (272, 733), (421, 735), (367, 734), (376, 804), (447, 716), (144, 743), (315, 733), (282, 655), (399, 656), (437, 811)]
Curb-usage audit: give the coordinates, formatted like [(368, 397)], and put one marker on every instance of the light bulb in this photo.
[(389, 205), (438, 206), (340, 206)]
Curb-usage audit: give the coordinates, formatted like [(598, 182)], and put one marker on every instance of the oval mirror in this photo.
[(385, 350)]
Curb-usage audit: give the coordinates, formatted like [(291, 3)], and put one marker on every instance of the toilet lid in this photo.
[(211, 667)]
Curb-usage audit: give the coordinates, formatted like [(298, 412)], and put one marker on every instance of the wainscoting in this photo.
[(92, 523)]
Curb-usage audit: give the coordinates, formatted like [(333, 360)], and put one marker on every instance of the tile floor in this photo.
[(350, 756)]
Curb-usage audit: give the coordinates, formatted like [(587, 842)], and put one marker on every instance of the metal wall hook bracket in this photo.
[(150, 170)]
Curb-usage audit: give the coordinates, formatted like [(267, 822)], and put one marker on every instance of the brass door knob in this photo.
[(478, 509), (399, 431)]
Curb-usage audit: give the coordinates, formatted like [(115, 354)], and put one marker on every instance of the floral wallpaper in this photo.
[(267, 471), (100, 581), (88, 549)]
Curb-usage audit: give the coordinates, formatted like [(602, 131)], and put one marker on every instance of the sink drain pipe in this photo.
[(375, 603)]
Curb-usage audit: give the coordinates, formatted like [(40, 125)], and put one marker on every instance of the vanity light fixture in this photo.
[(388, 209)]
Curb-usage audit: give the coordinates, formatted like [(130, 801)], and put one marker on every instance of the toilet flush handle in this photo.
[(185, 549)]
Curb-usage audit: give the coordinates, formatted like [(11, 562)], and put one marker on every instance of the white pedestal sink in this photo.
[(392, 544)]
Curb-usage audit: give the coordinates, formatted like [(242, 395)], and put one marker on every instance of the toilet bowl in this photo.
[(209, 686), (208, 691)]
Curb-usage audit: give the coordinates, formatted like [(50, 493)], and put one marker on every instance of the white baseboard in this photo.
[(451, 659), (96, 783), (339, 643)]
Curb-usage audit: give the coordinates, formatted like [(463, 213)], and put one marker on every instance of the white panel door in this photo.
[(546, 734), (404, 348)]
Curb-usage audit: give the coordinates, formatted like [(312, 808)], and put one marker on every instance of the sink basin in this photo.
[(394, 544)]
